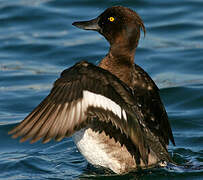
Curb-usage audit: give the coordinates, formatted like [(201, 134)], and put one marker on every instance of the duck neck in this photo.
[(119, 61), (121, 53), (123, 46)]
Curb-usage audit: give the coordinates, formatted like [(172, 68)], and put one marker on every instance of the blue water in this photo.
[(37, 42)]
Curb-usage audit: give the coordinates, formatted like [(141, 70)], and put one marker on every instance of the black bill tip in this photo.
[(88, 25)]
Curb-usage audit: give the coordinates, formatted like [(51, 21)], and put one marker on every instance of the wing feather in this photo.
[(63, 116), (46, 125), (36, 123), (151, 106), (30, 121), (82, 93)]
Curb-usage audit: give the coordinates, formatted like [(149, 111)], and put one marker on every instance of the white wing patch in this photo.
[(97, 100), (124, 114)]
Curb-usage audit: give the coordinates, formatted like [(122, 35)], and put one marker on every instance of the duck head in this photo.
[(119, 25)]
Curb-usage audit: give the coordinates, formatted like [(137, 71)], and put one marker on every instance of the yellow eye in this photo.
[(111, 19)]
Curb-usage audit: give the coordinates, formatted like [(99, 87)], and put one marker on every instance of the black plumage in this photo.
[(49, 119), (118, 98)]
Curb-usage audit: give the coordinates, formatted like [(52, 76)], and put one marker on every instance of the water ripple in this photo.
[(38, 42)]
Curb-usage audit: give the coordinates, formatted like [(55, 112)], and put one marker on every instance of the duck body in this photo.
[(103, 145), (113, 111)]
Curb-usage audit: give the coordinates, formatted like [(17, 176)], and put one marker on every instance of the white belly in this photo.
[(93, 150), (100, 150)]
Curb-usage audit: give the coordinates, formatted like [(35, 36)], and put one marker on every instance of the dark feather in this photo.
[(146, 94), (60, 114)]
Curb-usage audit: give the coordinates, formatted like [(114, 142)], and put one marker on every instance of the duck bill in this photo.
[(88, 25)]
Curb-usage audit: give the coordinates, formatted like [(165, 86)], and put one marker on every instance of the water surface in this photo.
[(38, 42)]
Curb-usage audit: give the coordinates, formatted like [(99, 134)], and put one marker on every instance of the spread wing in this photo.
[(154, 114), (83, 92)]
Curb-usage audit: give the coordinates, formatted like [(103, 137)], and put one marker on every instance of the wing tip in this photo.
[(46, 140), (14, 136), (144, 152), (59, 138), (172, 138), (173, 142), (22, 140), (12, 131)]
